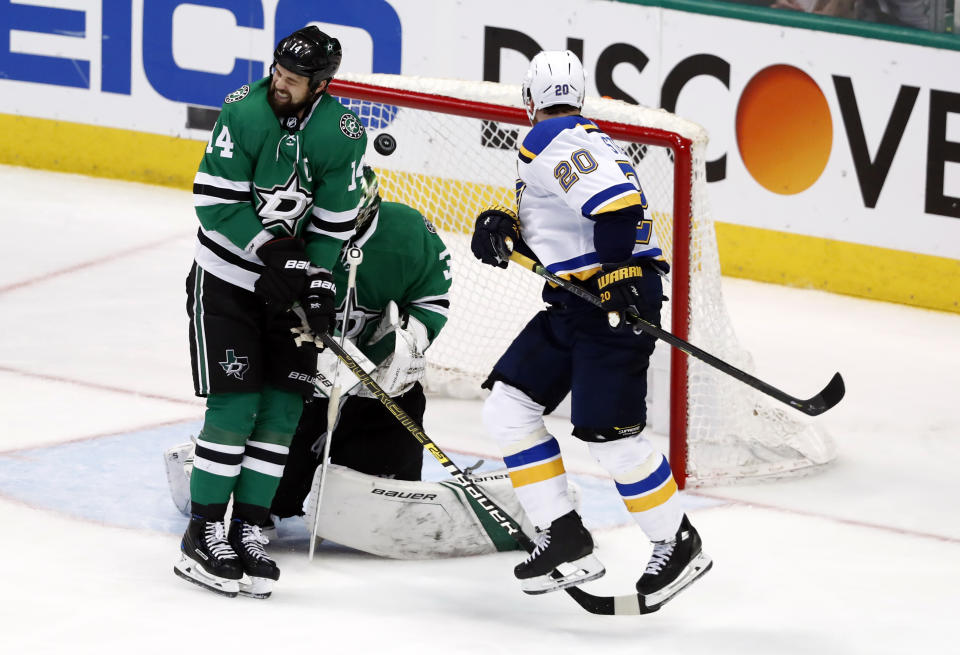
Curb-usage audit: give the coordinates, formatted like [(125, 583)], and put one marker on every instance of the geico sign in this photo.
[(190, 86), (781, 110)]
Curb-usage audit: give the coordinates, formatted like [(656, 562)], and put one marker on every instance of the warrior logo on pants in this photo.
[(235, 366)]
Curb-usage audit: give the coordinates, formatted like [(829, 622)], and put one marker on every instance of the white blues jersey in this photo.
[(570, 175)]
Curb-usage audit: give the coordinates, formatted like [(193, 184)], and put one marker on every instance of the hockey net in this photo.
[(455, 154)]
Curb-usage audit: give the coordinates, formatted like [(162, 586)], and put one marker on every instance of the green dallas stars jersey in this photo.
[(403, 260), (258, 180)]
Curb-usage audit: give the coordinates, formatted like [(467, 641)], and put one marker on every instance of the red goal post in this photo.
[(455, 154)]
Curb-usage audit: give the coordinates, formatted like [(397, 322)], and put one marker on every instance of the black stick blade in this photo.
[(628, 604), (830, 396)]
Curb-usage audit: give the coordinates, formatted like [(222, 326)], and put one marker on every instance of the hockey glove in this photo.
[(495, 235), (347, 380), (318, 301), (285, 274), (621, 293), (407, 364)]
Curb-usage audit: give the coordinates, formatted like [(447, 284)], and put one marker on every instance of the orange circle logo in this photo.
[(784, 129)]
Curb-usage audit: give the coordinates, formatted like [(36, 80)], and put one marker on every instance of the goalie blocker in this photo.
[(398, 519)]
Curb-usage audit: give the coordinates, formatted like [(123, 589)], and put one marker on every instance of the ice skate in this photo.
[(206, 559), (673, 566), (261, 572), (566, 547)]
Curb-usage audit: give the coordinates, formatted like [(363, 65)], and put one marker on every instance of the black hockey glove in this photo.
[(318, 302), (494, 227), (621, 292), (284, 277)]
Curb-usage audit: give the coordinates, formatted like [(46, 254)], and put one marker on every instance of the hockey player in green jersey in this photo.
[(406, 267), (277, 194)]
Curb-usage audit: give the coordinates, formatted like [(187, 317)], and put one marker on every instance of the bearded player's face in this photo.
[(289, 92)]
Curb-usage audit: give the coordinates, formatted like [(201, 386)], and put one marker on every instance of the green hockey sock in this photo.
[(228, 421), (266, 453)]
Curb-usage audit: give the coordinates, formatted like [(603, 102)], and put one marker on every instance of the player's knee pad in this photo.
[(278, 415), (230, 417), (513, 419), (631, 455), (227, 425)]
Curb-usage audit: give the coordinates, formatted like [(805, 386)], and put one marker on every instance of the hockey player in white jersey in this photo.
[(581, 214)]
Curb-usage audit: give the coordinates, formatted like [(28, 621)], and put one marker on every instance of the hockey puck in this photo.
[(385, 144)]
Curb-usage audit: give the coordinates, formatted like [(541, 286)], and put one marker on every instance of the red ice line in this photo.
[(88, 264)]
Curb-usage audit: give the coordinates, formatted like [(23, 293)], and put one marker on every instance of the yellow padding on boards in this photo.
[(99, 151), (839, 267), (658, 497), (537, 473)]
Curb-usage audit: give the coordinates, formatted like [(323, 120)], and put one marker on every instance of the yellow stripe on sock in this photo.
[(537, 473), (658, 497)]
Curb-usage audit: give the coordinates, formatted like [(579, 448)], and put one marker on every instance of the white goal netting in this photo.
[(456, 154)]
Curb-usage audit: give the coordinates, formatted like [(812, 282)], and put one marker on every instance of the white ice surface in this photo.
[(863, 557)]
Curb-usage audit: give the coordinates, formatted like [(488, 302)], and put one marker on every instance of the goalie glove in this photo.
[(407, 364), (327, 373)]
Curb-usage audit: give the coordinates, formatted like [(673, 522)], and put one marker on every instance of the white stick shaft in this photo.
[(333, 411), (354, 258)]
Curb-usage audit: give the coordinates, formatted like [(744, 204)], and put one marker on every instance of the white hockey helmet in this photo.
[(555, 77)]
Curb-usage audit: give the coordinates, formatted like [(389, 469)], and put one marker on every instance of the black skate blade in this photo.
[(208, 587)]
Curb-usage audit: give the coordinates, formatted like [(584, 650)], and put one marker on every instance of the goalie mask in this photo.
[(311, 53), (371, 199), (555, 77)]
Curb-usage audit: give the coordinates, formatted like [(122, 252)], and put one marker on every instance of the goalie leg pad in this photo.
[(179, 462), (532, 454), (414, 520)]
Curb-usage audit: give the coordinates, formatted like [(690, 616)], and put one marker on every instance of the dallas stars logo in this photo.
[(350, 126), (239, 94), (235, 367), (284, 205)]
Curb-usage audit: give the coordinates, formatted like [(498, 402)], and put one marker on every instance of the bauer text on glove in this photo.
[(284, 277), (318, 301)]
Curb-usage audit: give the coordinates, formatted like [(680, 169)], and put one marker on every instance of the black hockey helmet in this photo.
[(311, 53)]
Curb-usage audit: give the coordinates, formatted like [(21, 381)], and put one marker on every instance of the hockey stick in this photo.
[(354, 258), (818, 404), (626, 604)]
